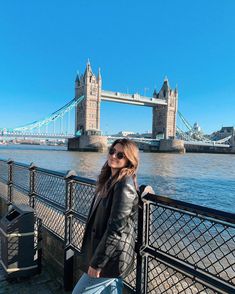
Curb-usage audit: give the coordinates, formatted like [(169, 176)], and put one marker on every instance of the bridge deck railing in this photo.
[(180, 247)]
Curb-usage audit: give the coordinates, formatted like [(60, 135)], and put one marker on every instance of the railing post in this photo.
[(139, 246), (10, 180), (146, 244), (39, 243), (142, 242), (141, 275), (38, 223), (32, 193), (68, 251)]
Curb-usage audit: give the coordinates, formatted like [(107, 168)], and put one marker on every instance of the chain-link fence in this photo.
[(180, 247)]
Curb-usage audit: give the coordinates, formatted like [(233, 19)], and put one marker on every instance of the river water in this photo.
[(204, 179)]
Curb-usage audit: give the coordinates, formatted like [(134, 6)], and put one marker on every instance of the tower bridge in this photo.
[(164, 106), (87, 135)]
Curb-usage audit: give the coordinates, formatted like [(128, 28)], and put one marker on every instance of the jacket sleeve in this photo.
[(122, 204)]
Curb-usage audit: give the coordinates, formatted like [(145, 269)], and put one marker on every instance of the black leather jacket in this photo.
[(109, 238)]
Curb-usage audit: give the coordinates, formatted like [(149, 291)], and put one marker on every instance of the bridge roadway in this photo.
[(39, 136), (135, 99), (148, 141)]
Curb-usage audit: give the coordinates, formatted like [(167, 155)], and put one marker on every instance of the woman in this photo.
[(109, 238)]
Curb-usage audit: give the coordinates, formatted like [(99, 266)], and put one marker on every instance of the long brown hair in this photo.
[(105, 182)]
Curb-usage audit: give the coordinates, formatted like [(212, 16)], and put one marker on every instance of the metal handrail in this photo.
[(190, 207)]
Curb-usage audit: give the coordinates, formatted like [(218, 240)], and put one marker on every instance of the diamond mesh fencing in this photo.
[(3, 170), (130, 280), (50, 187), (78, 228), (3, 190), (52, 218), (83, 194), (19, 196), (206, 244), (192, 243), (165, 279), (50, 200), (21, 176)]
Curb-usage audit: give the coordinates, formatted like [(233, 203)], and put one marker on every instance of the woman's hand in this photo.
[(94, 273)]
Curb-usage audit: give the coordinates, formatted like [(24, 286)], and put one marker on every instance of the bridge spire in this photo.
[(88, 68), (99, 74), (77, 77), (166, 82), (176, 89)]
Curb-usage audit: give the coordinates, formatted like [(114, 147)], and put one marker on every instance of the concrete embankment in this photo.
[(169, 145), (88, 143), (208, 149), (180, 146)]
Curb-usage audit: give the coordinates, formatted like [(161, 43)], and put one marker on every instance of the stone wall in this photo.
[(53, 253)]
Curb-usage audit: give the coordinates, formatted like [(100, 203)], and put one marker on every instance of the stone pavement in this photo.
[(43, 283)]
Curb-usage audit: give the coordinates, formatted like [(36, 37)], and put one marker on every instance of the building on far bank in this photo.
[(125, 133), (133, 134), (223, 133), (147, 135), (196, 127)]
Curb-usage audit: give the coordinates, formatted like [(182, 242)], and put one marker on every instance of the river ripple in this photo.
[(204, 179)]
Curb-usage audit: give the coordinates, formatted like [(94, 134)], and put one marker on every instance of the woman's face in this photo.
[(116, 158)]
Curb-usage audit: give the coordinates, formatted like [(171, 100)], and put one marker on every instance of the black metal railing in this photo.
[(180, 247), (186, 248)]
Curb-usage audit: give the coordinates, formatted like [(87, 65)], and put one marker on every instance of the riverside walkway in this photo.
[(44, 283)]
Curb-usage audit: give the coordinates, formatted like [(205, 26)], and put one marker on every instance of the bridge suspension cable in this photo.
[(52, 117), (186, 123), (183, 135), (192, 134)]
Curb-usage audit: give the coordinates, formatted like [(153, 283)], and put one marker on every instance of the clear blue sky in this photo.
[(135, 43)]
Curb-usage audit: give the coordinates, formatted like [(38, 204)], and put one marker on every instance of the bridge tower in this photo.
[(87, 113), (164, 116)]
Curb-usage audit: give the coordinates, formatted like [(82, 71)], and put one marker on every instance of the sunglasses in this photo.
[(119, 155)]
